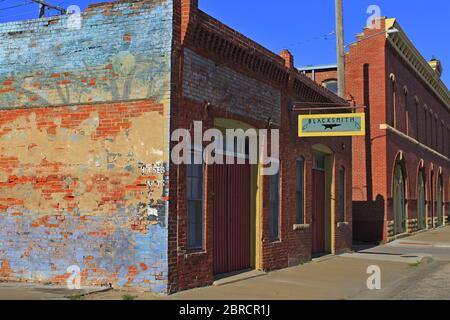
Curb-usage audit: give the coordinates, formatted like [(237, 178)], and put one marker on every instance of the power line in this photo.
[(43, 5), (325, 36), (16, 6), (18, 14)]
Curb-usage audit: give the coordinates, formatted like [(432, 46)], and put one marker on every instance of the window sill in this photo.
[(342, 224), (296, 227), (193, 252)]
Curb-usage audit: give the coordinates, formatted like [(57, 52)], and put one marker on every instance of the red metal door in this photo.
[(318, 214), (231, 218)]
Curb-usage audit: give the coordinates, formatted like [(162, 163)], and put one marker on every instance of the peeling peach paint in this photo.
[(74, 145), (5, 269)]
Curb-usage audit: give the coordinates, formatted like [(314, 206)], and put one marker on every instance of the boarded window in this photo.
[(274, 207)]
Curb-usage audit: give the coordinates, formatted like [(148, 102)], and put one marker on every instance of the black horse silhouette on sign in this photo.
[(331, 126)]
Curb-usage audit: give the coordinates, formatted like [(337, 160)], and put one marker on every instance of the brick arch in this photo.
[(419, 169), (392, 77), (405, 90), (400, 159)]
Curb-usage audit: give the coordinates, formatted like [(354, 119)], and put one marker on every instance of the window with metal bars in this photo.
[(300, 190), (274, 207), (194, 189)]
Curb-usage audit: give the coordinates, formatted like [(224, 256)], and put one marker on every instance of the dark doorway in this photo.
[(399, 200), (421, 201), (440, 202), (431, 202)]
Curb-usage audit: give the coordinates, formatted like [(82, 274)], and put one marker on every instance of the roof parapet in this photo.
[(436, 65), (288, 58)]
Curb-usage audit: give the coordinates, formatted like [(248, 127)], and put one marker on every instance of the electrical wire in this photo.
[(15, 6), (321, 37), (17, 14)]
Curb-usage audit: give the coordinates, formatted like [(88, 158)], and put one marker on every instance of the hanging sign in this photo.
[(331, 125)]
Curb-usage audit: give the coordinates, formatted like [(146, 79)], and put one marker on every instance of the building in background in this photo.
[(401, 168), (86, 115)]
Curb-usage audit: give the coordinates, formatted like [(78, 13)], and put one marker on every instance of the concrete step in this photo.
[(235, 277)]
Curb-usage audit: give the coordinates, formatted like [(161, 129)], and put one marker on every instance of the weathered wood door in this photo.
[(318, 214), (231, 188)]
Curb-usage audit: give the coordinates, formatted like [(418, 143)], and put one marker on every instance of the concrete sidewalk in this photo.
[(436, 236), (403, 263), (35, 291), (337, 278)]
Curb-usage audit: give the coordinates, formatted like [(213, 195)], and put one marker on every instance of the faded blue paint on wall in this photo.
[(136, 41), (112, 254)]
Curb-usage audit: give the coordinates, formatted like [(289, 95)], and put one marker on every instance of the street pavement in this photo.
[(35, 291), (417, 267)]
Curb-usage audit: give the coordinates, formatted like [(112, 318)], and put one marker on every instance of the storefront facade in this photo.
[(87, 178), (401, 167)]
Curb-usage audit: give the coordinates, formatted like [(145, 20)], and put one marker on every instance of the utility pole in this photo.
[(340, 49), (43, 5)]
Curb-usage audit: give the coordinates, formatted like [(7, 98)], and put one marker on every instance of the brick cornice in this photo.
[(206, 34), (403, 45)]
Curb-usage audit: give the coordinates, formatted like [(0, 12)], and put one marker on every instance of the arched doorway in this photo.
[(399, 200), (421, 201), (440, 201)]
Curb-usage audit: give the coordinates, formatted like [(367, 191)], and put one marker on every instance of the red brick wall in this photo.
[(370, 64), (418, 96), (320, 76), (269, 74), (365, 84)]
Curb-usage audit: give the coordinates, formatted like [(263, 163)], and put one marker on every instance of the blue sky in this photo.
[(302, 25)]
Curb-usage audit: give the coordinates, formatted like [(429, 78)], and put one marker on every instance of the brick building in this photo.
[(87, 111), (401, 169)]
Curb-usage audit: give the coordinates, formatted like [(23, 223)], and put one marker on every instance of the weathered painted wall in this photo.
[(84, 116)]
